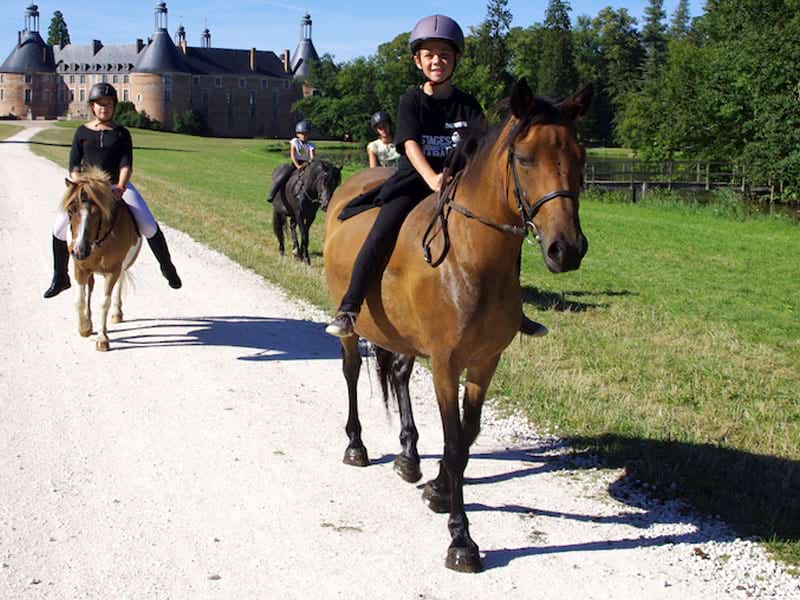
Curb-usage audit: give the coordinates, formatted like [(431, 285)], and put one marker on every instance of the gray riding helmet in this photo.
[(436, 27), (302, 127), (102, 90), (380, 117)]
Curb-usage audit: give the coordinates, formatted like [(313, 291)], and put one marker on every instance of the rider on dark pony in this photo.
[(301, 152), (431, 119), (104, 144)]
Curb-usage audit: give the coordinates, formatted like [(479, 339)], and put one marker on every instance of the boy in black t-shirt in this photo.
[(431, 119)]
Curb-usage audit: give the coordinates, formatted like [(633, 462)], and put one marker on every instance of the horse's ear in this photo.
[(521, 98), (577, 104), (68, 182)]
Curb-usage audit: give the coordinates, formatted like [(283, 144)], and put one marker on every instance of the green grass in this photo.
[(7, 130), (673, 352)]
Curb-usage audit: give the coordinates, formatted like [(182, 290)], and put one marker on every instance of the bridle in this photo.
[(114, 212), (527, 211)]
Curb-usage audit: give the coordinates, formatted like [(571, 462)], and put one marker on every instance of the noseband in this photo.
[(527, 211), (97, 239)]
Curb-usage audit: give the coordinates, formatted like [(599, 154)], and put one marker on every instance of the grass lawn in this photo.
[(673, 351), (7, 130)]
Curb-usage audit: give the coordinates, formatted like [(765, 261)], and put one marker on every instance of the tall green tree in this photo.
[(654, 36), (525, 50), (679, 24), (395, 72), (596, 126), (57, 33), (557, 74)]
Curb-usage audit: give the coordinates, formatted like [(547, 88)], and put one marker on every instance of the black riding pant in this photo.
[(376, 250), (278, 184)]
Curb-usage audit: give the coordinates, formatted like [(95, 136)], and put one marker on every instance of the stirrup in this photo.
[(342, 325), (532, 328)]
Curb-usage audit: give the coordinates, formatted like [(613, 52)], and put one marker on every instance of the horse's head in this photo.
[(544, 165), (89, 203), (321, 180)]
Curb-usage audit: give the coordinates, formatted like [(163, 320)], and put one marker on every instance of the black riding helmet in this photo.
[(380, 117), (102, 90)]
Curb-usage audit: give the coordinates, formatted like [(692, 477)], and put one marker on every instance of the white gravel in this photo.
[(201, 458)]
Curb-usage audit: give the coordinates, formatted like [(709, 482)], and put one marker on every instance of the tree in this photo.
[(596, 126), (654, 37), (395, 72), (57, 33), (557, 74), (525, 49), (679, 26)]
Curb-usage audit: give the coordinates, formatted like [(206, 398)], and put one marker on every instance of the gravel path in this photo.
[(201, 458)]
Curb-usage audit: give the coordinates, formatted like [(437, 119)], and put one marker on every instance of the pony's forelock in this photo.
[(95, 184)]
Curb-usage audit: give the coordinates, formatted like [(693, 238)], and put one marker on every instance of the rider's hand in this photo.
[(302, 166), (435, 182), (118, 191)]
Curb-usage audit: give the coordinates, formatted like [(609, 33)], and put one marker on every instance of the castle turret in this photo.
[(305, 54), (29, 73)]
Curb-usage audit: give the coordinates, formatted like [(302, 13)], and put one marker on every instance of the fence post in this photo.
[(708, 176), (669, 176)]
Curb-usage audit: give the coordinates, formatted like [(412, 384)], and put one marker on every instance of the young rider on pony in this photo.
[(430, 121), (381, 152), (301, 152), (107, 145)]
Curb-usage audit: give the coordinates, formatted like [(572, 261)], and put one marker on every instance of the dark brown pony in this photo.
[(525, 175), (104, 240)]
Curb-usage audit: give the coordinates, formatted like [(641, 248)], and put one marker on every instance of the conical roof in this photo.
[(306, 51), (161, 56), (31, 55)]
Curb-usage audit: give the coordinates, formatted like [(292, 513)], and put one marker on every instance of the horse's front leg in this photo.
[(356, 453), (304, 231), (295, 245), (101, 344), (463, 554), (83, 304), (406, 464)]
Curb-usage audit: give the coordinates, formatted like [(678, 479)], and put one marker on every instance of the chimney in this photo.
[(286, 61), (252, 59), (139, 45), (96, 45), (183, 46), (19, 39)]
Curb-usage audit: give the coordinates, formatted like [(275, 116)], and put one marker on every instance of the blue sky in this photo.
[(344, 28)]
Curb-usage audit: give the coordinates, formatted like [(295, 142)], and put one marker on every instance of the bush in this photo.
[(191, 122), (126, 115)]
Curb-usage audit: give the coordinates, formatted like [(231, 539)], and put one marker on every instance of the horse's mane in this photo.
[(476, 146), (94, 183)]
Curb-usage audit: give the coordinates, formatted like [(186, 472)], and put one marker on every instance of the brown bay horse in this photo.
[(462, 314), (104, 240)]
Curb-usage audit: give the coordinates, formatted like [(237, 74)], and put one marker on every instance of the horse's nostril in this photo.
[(555, 252)]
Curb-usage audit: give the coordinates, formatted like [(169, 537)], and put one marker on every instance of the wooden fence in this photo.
[(639, 177)]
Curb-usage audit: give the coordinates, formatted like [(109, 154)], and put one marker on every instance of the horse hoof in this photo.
[(356, 457), (407, 469), (464, 560), (101, 346), (435, 500), (85, 332), (116, 318)]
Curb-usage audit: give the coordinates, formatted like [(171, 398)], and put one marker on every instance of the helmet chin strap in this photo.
[(443, 81)]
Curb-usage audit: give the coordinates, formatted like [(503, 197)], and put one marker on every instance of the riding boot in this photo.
[(159, 247), (60, 261)]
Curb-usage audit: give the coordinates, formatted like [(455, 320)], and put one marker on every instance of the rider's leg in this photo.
[(374, 252), (277, 186), (60, 257), (148, 227)]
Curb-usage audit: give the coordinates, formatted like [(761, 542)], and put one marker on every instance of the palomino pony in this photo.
[(104, 240), (301, 196), (462, 314)]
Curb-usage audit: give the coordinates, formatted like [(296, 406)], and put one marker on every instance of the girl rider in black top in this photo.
[(104, 144)]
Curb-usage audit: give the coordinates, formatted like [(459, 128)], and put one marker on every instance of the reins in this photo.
[(446, 199)]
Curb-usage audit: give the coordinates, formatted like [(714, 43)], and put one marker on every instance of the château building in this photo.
[(241, 93)]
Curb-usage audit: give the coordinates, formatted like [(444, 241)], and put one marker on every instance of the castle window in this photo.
[(28, 95), (105, 78), (252, 104), (83, 95), (218, 82), (124, 79), (242, 82), (28, 78), (196, 80), (71, 94), (2, 94), (2, 77), (167, 78), (285, 85), (72, 78), (82, 78), (138, 98), (126, 95), (114, 79), (275, 104), (264, 83), (167, 95)]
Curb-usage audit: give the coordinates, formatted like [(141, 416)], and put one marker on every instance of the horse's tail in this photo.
[(383, 366), (278, 221)]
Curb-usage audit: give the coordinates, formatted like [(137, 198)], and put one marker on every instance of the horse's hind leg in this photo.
[(305, 228), (406, 464), (116, 314), (277, 228), (356, 453), (295, 243)]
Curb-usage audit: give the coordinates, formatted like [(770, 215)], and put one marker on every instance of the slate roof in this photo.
[(161, 56), (222, 61), (306, 51), (31, 55), (118, 58)]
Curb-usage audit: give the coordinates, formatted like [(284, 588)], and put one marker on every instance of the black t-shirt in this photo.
[(108, 150), (436, 125)]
